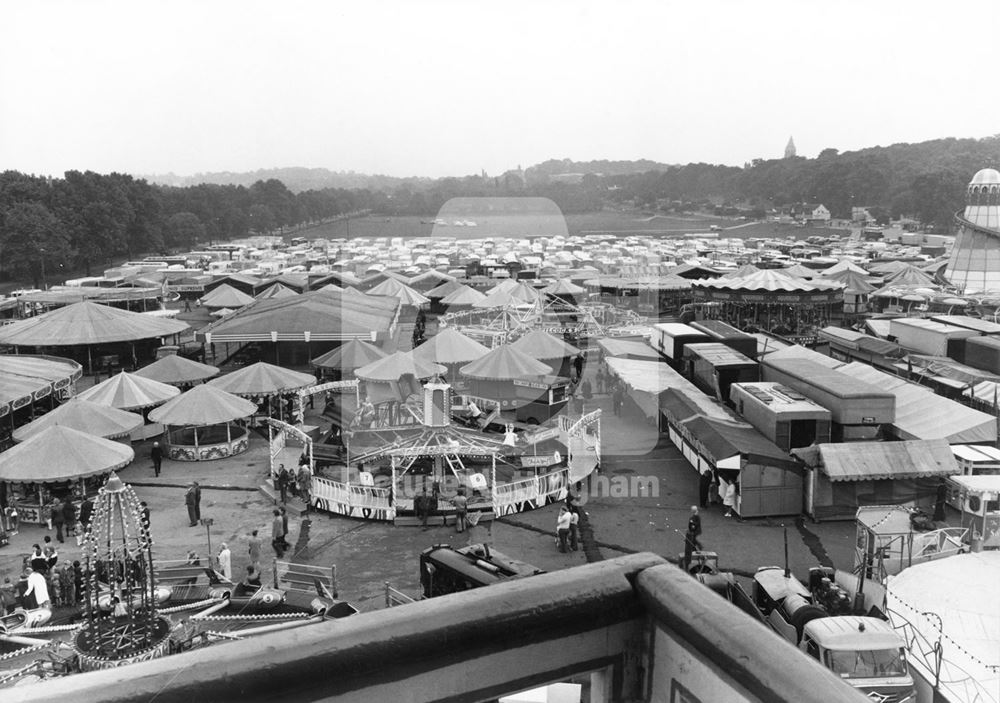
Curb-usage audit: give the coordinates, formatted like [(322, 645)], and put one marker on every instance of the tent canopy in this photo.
[(127, 391), (505, 363), (449, 346), (87, 323), (59, 454), (465, 295), (349, 356), (262, 379), (868, 461), (24, 378), (176, 369), (539, 344), (225, 296), (203, 405), (397, 365), (391, 287), (85, 416)]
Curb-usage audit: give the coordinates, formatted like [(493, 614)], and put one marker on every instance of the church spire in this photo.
[(790, 148)]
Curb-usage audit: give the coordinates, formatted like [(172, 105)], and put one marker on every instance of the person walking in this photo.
[(226, 561), (58, 518), (704, 483), (277, 535), (574, 529), (189, 501), (420, 505), (562, 528), (587, 390), (39, 589), (156, 454), (600, 378), (694, 526), (284, 526), (730, 499), (46, 512), (86, 511), (617, 399), (253, 548), (461, 504)]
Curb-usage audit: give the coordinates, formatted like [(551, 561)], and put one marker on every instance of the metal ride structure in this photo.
[(121, 626)]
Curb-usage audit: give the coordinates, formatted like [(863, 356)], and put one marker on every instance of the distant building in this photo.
[(811, 212), (790, 148), (861, 214), (974, 264)]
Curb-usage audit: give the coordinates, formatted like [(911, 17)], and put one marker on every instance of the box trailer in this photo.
[(732, 337), (857, 408), (983, 353), (669, 338), (782, 414), (714, 367), (928, 337)]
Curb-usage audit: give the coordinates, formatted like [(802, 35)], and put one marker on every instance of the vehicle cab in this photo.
[(866, 652)]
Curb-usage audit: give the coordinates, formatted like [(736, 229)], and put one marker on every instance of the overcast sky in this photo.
[(436, 88)]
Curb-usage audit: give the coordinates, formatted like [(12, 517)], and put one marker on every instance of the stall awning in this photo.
[(722, 439), (869, 461), (627, 348)]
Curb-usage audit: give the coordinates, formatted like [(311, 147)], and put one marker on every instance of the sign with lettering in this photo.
[(543, 460)]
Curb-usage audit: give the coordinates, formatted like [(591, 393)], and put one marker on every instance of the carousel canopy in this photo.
[(27, 378), (349, 356), (505, 363), (768, 281), (262, 379), (854, 282), (178, 370), (203, 405), (464, 295), (449, 346), (799, 271), (316, 316), (87, 323), (127, 391), (62, 454), (539, 344), (225, 296), (843, 265), (506, 285), (910, 276), (395, 366), (85, 416), (393, 288), (331, 287), (743, 271)]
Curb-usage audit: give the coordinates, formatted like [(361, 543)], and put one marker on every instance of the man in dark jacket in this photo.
[(156, 454), (189, 501), (58, 519), (86, 510)]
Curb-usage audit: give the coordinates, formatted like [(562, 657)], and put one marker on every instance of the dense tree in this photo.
[(33, 239)]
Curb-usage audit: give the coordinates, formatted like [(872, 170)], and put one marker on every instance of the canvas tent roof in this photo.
[(262, 379), (564, 286), (627, 348), (177, 369), (464, 295), (868, 461), (85, 416), (391, 287), (225, 296), (87, 323), (278, 290), (768, 280), (349, 356), (647, 380), (843, 265), (127, 391), (449, 346), (203, 405), (394, 366), (539, 344), (922, 414), (317, 316), (59, 454), (445, 288), (505, 363)]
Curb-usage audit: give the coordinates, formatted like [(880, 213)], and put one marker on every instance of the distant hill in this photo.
[(555, 167), (296, 179)]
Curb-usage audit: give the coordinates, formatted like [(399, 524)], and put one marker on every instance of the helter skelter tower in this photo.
[(121, 624)]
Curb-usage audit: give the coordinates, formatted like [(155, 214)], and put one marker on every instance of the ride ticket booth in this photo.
[(538, 400)]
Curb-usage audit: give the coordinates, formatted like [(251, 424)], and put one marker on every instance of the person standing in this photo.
[(189, 501), (305, 484), (86, 511), (574, 529), (284, 526), (69, 517), (600, 380), (38, 561), (46, 512), (420, 507), (941, 498), (277, 535), (58, 518), (197, 502), (38, 588), (730, 498), (226, 561), (562, 528), (281, 483), (254, 549), (156, 454), (461, 504), (704, 483), (617, 399)]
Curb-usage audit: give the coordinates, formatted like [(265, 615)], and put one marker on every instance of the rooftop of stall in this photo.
[(930, 337), (670, 338), (772, 407), (983, 353), (727, 334), (850, 401), (970, 323), (718, 355)]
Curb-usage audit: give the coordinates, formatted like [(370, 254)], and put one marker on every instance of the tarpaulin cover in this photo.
[(866, 461)]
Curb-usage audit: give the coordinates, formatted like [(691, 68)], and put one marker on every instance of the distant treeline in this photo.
[(86, 219)]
